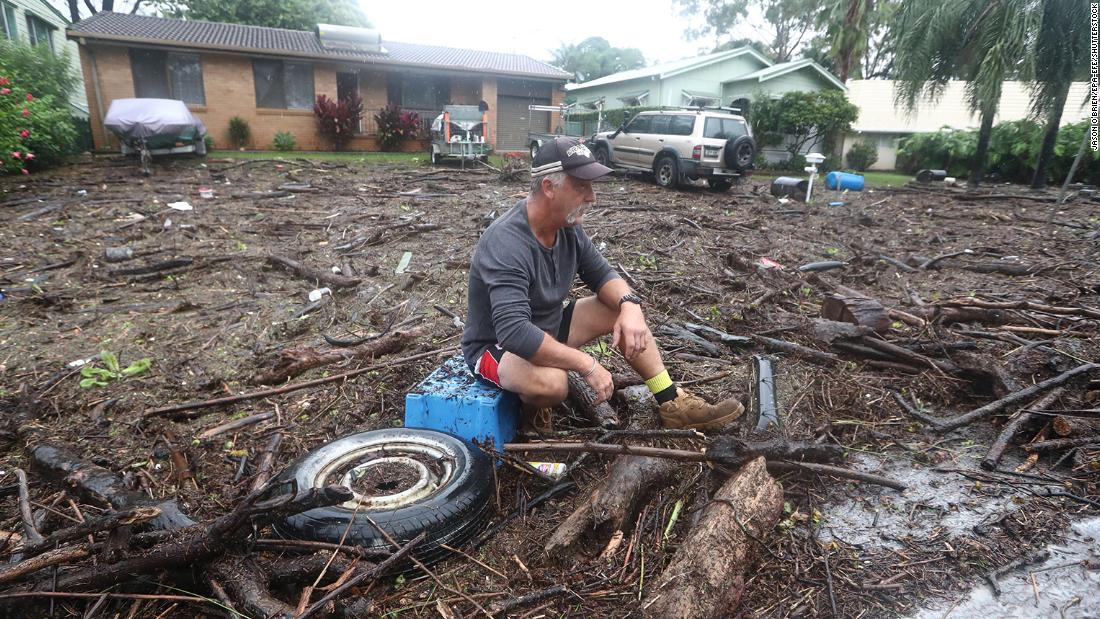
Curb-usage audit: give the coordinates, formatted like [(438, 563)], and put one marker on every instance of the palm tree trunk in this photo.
[(981, 153), (1050, 136), (1073, 168)]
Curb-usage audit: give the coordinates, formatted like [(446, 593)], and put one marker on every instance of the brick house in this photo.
[(271, 77)]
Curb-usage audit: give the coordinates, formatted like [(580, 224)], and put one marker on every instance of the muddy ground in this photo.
[(212, 313)]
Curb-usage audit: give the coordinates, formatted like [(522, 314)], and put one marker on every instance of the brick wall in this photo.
[(229, 90), (489, 95)]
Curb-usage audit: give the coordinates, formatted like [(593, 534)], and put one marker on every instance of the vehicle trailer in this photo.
[(460, 132)]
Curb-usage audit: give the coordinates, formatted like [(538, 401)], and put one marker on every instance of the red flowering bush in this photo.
[(395, 126), (338, 120), (36, 128)]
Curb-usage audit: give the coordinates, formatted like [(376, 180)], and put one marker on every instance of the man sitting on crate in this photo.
[(519, 335)]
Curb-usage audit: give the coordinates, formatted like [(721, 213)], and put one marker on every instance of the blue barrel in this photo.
[(843, 180)]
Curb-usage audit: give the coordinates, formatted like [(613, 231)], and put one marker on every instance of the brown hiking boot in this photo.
[(537, 420), (689, 412)]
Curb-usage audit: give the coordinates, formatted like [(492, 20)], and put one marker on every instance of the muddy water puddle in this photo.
[(1066, 584)]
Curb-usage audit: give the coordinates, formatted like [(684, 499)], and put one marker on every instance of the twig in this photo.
[(836, 471), (267, 459), (424, 568), (993, 456), (263, 393), (105, 522), (34, 538), (505, 606), (365, 574), (236, 424), (995, 407)]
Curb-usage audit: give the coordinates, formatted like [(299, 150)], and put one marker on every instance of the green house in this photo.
[(729, 78)]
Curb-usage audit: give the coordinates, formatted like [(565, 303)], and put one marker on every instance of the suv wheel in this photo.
[(602, 156), (740, 152), (666, 172)]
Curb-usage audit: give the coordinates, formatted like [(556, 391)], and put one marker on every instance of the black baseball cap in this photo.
[(569, 155)]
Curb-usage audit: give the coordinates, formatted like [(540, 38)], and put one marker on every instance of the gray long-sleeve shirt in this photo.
[(517, 286)]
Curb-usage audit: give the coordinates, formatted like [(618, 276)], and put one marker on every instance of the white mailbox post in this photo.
[(813, 159)]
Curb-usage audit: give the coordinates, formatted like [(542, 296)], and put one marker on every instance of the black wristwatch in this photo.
[(630, 298)]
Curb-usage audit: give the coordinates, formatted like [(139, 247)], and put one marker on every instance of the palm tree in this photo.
[(978, 41), (1061, 48), (847, 24)]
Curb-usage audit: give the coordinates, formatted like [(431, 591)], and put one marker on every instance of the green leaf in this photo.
[(140, 366), (90, 371), (110, 360), (88, 383)]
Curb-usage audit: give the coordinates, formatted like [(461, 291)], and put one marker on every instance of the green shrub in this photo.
[(1014, 150), (239, 132), (36, 128), (284, 141), (800, 119), (1065, 149), (862, 155), (946, 149), (209, 140)]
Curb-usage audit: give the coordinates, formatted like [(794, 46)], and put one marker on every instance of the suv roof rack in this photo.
[(693, 108)]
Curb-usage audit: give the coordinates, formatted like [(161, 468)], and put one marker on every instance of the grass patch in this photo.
[(356, 156)]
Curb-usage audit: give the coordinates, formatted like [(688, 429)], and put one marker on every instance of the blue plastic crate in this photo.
[(452, 400)]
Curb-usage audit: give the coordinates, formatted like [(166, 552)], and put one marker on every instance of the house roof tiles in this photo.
[(277, 41)]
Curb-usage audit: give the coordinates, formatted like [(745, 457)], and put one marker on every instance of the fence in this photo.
[(369, 126)]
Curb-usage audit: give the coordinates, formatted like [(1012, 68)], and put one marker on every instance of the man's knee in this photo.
[(551, 386)]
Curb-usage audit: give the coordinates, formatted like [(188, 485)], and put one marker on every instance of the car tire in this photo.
[(666, 171), (602, 156), (739, 153), (417, 480), (719, 184)]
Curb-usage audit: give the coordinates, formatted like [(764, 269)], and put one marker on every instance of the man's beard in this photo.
[(576, 214)]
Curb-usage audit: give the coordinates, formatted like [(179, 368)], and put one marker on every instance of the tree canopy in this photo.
[(289, 14), (594, 57)]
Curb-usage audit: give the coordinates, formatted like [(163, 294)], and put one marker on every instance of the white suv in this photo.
[(675, 145)]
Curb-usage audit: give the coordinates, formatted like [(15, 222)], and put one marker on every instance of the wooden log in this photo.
[(295, 361), (1075, 426), (809, 354), (946, 315), (1058, 444), (584, 401), (245, 584), (856, 310), (106, 522), (330, 279), (611, 507), (102, 486), (705, 578), (200, 543), (992, 408)]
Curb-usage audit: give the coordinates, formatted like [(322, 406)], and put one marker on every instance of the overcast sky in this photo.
[(535, 28)]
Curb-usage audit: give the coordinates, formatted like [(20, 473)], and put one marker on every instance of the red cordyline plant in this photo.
[(338, 120), (395, 126)]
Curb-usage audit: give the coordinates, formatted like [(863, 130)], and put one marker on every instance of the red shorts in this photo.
[(488, 364)]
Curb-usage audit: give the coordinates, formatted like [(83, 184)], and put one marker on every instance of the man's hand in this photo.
[(600, 381), (630, 333)]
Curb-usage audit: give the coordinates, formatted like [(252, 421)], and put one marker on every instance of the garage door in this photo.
[(512, 125)]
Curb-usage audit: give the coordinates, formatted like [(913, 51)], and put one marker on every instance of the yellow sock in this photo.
[(662, 387)]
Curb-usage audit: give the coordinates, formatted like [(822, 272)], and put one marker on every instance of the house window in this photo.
[(419, 92), (39, 31), (283, 85), (8, 15), (167, 75)]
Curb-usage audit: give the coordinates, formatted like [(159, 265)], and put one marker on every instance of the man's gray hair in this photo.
[(556, 179)]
